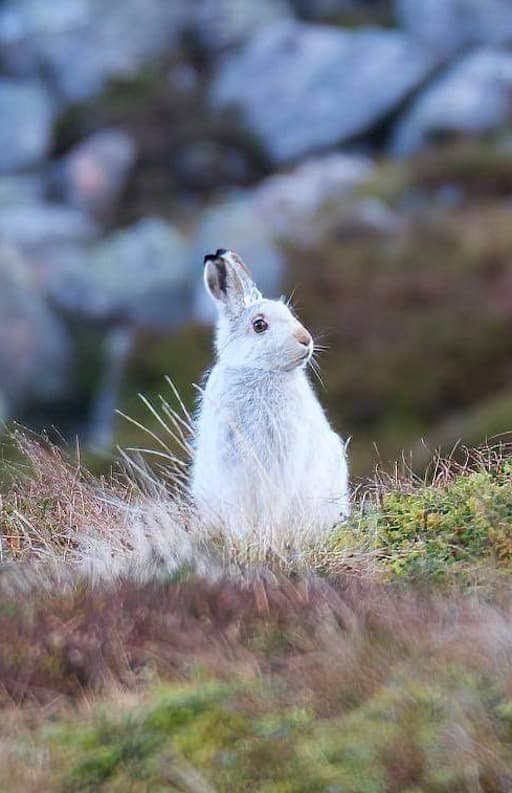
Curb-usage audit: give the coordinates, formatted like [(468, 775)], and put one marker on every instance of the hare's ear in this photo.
[(229, 282)]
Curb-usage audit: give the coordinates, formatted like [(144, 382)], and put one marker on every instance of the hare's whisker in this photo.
[(316, 371)]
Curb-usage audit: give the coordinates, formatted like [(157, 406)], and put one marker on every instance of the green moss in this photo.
[(183, 723), (388, 183), (438, 533), (212, 738), (125, 96)]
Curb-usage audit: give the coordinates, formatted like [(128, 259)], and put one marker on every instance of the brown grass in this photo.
[(346, 632)]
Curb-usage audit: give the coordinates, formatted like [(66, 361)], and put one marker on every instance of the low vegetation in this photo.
[(378, 660), (451, 527)]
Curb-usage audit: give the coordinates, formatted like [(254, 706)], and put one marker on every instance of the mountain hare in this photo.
[(265, 455)]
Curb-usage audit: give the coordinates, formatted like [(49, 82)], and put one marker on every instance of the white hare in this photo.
[(265, 457)]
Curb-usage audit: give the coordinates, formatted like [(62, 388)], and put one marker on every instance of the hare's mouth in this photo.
[(305, 357)]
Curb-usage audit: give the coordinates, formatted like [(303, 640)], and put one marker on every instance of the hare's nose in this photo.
[(303, 336)]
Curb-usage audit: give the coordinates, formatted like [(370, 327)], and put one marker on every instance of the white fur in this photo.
[(266, 459)]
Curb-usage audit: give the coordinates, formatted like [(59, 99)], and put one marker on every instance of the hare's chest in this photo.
[(258, 430), (260, 427)]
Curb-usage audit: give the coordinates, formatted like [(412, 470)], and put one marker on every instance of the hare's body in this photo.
[(265, 455)]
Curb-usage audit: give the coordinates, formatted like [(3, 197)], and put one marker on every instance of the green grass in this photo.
[(209, 736)]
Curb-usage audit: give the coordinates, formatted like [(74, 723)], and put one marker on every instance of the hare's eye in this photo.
[(259, 325)]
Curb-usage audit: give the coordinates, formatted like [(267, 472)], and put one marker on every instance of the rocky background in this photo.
[(357, 151)]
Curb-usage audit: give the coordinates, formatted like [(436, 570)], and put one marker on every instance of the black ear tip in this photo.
[(210, 257)]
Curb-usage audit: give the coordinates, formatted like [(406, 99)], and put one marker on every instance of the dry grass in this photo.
[(57, 519), (138, 522)]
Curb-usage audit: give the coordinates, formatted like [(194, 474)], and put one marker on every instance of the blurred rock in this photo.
[(471, 98), (448, 25), (218, 24), (318, 199), (27, 114), (21, 189), (234, 225), (301, 88), (94, 173), (32, 225), (138, 275), (27, 26), (83, 44), (291, 204), (34, 354)]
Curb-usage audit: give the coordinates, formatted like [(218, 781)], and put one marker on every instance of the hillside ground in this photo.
[(378, 659)]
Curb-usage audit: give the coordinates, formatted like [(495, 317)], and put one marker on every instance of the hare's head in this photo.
[(251, 331)]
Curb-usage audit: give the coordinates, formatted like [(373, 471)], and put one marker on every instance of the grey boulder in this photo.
[(82, 44), (472, 97), (27, 114), (285, 207), (218, 24), (94, 173), (300, 88), (4, 409), (138, 276), (449, 25), (33, 225), (16, 189), (295, 205)]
